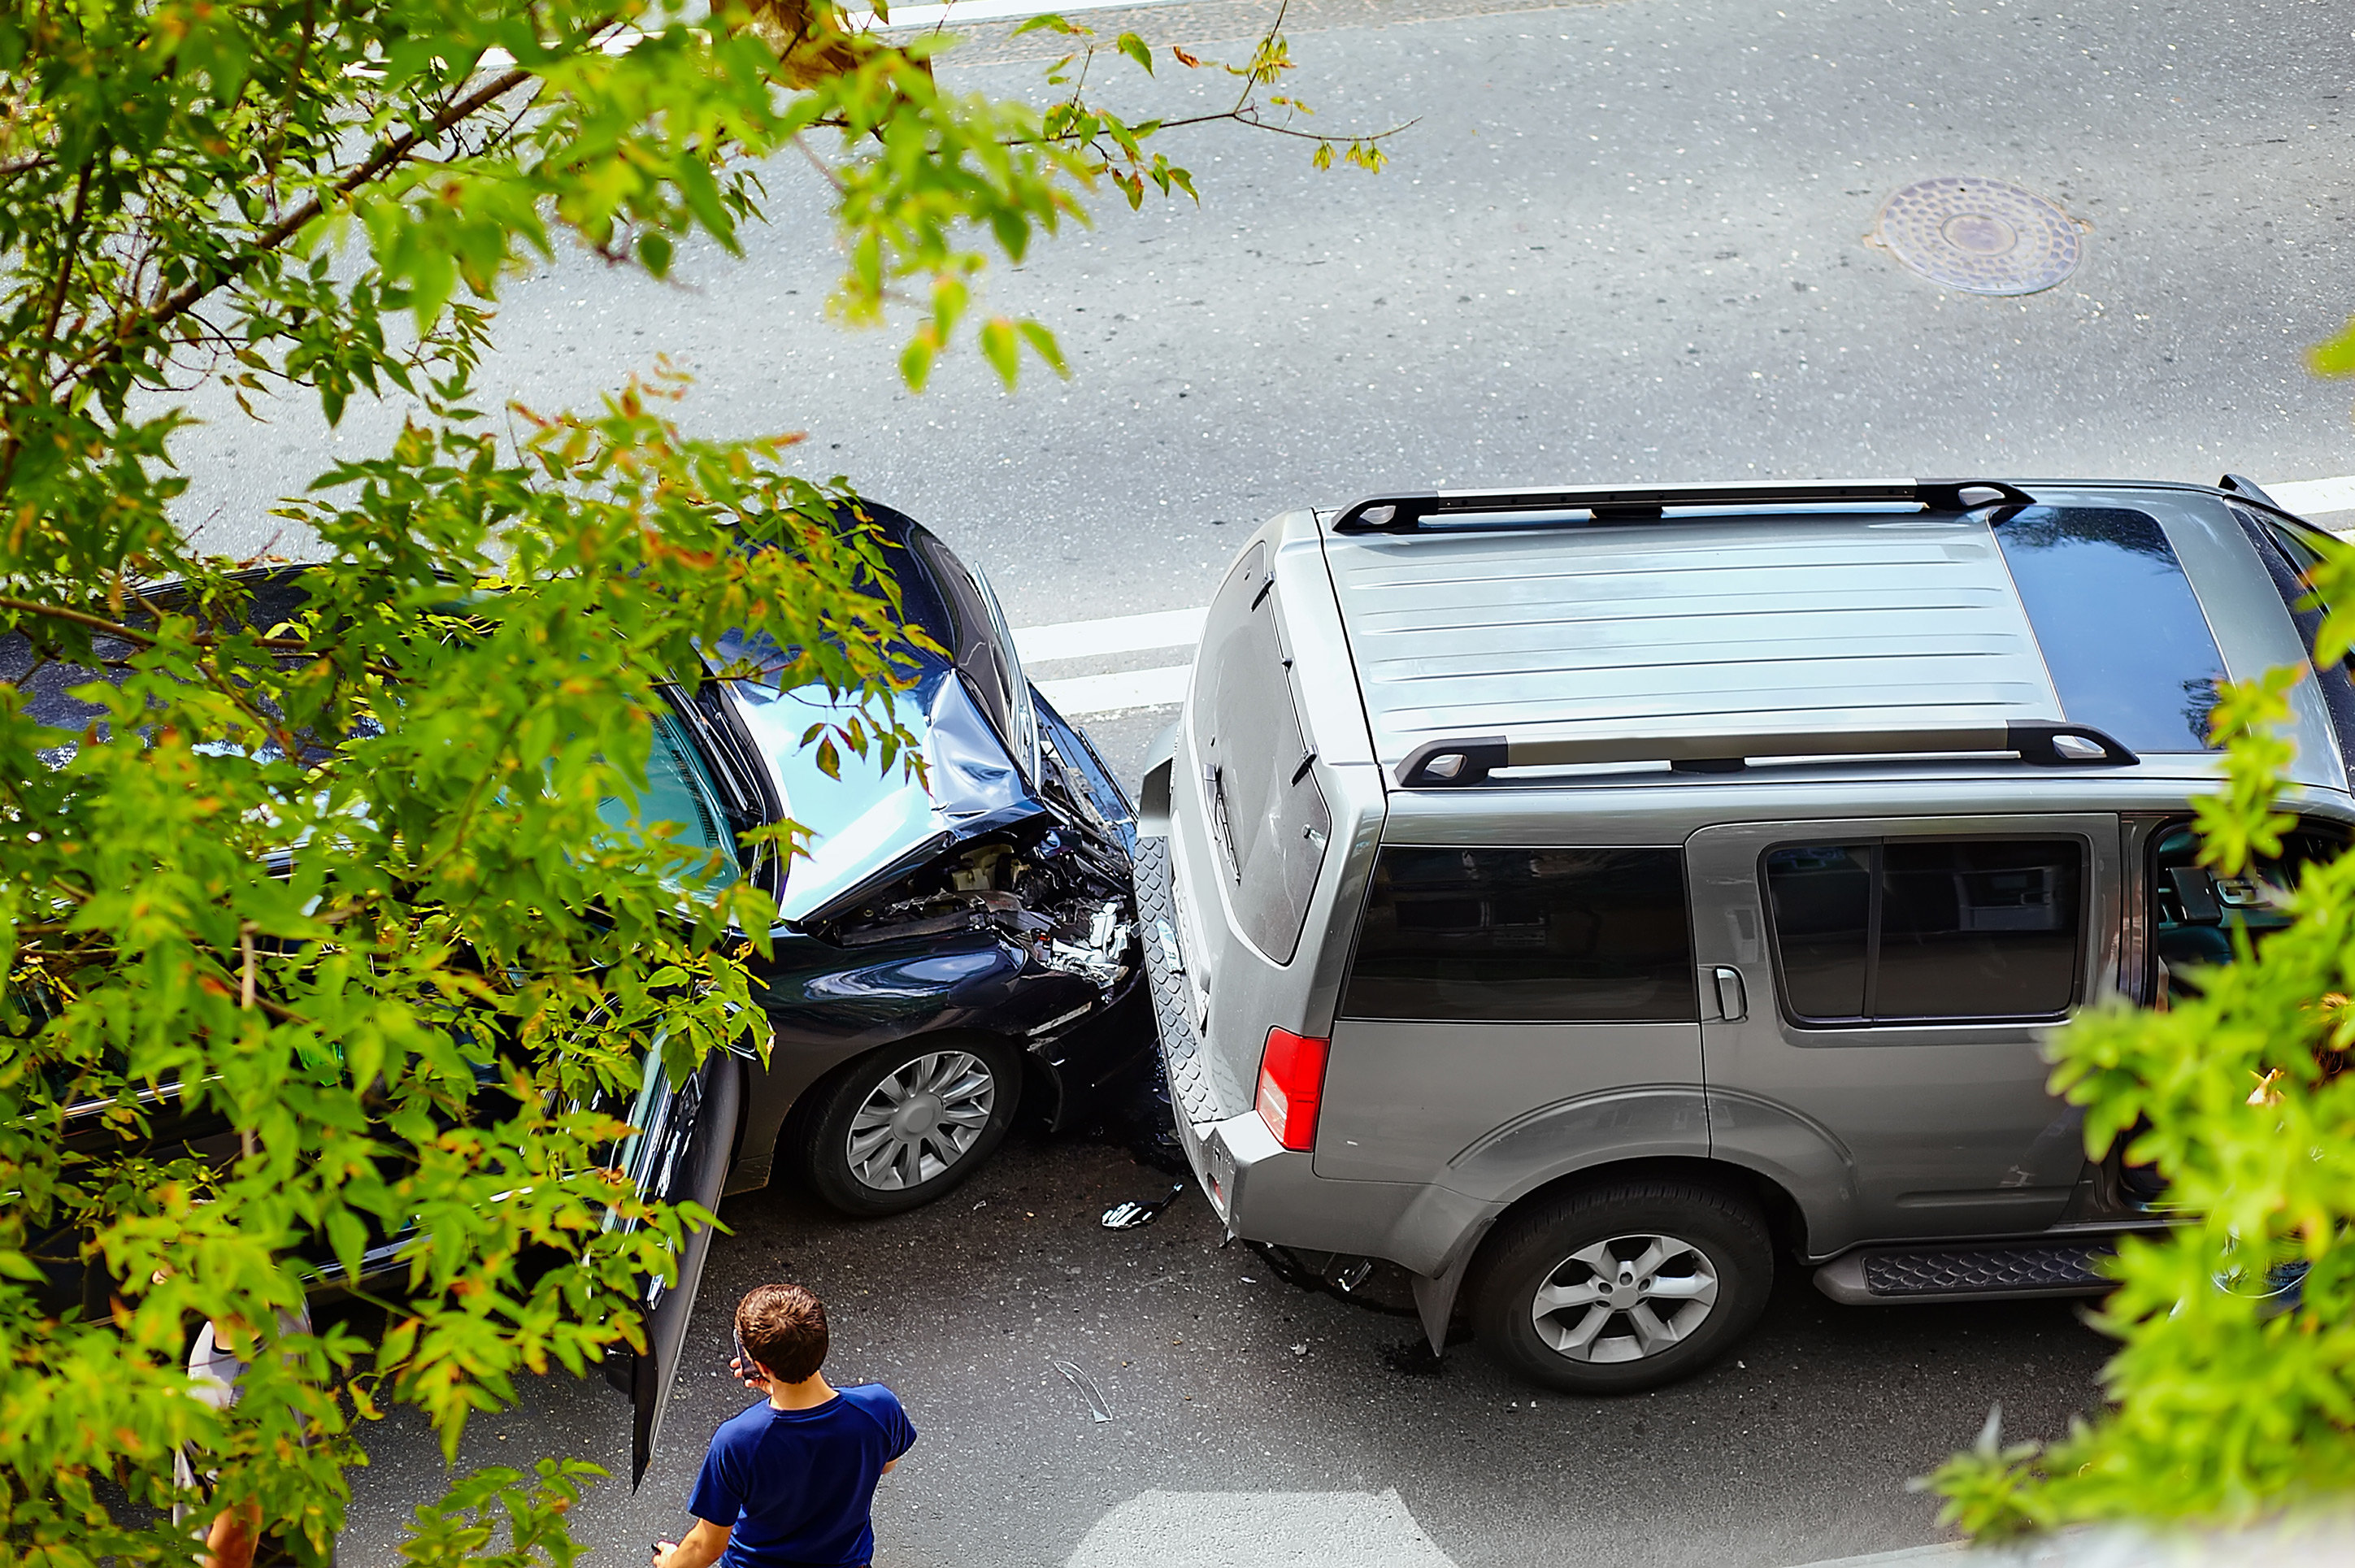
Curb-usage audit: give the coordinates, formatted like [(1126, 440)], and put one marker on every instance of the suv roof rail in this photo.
[(1453, 764), (2243, 485), (1650, 503)]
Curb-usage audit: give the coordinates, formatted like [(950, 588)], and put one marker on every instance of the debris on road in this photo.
[(1135, 1213), (1097, 1408)]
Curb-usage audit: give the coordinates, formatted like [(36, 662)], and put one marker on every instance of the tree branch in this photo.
[(14, 445), (203, 639), (389, 154)]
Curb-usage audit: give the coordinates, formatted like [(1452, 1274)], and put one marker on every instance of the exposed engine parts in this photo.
[(1039, 885)]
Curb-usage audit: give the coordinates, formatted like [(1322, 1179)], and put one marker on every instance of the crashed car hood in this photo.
[(870, 823)]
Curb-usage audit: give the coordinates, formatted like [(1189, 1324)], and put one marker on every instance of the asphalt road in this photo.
[(1621, 241), (1254, 1424)]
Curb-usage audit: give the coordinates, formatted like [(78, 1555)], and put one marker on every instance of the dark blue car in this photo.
[(951, 949), (951, 952)]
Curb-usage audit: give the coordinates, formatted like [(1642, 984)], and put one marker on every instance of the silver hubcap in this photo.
[(921, 1120), (1624, 1300)]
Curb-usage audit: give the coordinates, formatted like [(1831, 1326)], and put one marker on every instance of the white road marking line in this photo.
[(2306, 497), (1115, 634), (1219, 1530), (907, 17), (1913, 1556), (1076, 695), (1108, 693)]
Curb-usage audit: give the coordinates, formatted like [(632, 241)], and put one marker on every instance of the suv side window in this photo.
[(1525, 937), (1920, 930), (2197, 915)]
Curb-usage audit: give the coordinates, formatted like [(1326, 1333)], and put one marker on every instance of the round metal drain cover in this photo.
[(1979, 235)]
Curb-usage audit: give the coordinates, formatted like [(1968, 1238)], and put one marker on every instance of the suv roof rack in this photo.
[(1452, 765), (1650, 503), (2241, 484)]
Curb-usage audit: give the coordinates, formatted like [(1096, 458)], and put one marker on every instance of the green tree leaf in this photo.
[(365, 882), (1002, 348), (2336, 357)]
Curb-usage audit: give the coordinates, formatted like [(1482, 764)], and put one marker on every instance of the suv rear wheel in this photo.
[(1622, 1287), (904, 1125)]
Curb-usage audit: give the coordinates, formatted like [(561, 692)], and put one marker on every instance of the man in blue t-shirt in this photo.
[(791, 1483)]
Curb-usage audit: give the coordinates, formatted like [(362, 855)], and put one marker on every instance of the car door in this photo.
[(1880, 992), (680, 1153)]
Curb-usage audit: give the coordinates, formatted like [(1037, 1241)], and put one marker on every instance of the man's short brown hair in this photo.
[(784, 1328)]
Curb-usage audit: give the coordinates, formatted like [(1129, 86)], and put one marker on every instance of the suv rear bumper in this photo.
[(1261, 1191), (1231, 1152), (1203, 1124), (1191, 1093)]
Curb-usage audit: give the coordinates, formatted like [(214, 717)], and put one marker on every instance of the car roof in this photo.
[(1604, 622)]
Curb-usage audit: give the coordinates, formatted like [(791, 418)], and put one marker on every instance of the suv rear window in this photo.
[(1919, 929), (1269, 821), (1525, 937)]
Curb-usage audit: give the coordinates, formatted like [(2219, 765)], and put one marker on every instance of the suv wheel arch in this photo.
[(1436, 1295)]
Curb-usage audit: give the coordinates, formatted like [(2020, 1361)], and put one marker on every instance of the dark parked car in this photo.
[(953, 950), (944, 954)]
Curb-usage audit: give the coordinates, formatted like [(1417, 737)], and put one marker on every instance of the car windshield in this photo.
[(676, 802)]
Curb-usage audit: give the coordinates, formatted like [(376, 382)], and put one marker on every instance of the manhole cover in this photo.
[(1981, 236)]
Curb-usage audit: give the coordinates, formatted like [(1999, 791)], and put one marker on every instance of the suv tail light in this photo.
[(1291, 1085)]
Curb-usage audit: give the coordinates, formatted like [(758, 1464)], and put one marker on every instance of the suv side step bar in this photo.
[(1888, 1276)]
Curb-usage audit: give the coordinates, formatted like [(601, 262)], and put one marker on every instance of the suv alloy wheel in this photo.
[(1622, 1287)]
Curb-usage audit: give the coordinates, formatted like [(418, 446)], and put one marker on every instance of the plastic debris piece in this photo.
[(1300, 1349), (1135, 1213), (1097, 1410)]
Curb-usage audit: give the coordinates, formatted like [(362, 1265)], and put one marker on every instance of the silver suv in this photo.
[(1581, 897)]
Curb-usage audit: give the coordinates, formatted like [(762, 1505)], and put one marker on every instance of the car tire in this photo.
[(1646, 1282), (905, 1125)]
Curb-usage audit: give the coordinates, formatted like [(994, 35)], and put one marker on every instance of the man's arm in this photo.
[(892, 1465), (231, 1540), (701, 1548)]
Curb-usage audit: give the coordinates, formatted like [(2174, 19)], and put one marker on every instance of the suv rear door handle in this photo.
[(1733, 1007)]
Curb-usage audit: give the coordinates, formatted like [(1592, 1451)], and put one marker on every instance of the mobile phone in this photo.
[(744, 1368)]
